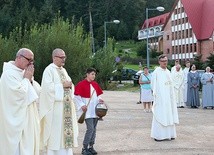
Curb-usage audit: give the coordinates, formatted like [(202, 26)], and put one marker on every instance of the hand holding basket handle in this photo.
[(82, 117)]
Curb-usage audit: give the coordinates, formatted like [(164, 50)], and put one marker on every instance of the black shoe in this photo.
[(139, 102), (172, 138), (157, 140), (92, 150), (86, 152), (182, 107)]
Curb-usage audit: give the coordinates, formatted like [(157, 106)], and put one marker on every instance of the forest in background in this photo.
[(131, 13), (43, 25)]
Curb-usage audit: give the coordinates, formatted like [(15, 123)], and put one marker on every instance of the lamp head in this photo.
[(116, 21), (160, 8)]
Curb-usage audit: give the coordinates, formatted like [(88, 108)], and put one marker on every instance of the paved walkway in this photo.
[(126, 130)]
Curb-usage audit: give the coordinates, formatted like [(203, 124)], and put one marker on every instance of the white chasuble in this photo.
[(18, 112), (178, 84), (164, 108), (52, 112)]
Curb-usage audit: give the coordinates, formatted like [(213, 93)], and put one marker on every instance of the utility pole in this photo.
[(91, 29)]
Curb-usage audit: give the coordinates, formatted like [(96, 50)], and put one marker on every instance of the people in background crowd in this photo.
[(193, 88), (186, 71), (178, 81), (146, 92), (207, 80), (177, 62)]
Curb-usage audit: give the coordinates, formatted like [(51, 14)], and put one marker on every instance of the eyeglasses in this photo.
[(29, 60), (61, 57), (163, 60)]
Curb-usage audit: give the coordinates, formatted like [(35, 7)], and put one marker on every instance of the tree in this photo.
[(197, 61), (210, 61), (103, 61), (141, 49)]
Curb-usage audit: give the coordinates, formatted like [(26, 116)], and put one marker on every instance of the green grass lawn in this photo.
[(123, 46), (135, 67), (126, 48)]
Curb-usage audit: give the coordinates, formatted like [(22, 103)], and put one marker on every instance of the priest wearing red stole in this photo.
[(87, 96)]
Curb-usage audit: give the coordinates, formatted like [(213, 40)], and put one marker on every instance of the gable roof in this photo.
[(155, 21), (200, 14)]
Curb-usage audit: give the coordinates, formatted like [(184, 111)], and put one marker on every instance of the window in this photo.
[(195, 47), (191, 48), (187, 34), (176, 11), (167, 37), (183, 20), (168, 51), (190, 32), (179, 10), (182, 9), (182, 33), (151, 32), (172, 23), (186, 20), (176, 49), (179, 21), (172, 35), (179, 35)]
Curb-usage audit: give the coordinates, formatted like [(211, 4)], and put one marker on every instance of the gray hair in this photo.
[(56, 51)]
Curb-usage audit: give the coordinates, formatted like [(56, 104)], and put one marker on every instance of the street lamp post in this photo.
[(147, 32), (115, 22)]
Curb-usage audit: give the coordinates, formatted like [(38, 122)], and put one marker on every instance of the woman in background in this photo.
[(207, 89), (193, 88), (146, 92)]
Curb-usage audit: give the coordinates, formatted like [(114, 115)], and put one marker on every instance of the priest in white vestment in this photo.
[(164, 109), (59, 128), (178, 81), (177, 62), (19, 125), (186, 71)]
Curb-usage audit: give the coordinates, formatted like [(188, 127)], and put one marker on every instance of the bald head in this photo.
[(178, 67), (24, 58), (24, 51), (59, 57)]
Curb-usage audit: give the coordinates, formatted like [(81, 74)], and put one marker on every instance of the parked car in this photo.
[(125, 74), (137, 76)]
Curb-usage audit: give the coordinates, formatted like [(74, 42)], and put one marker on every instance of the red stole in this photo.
[(83, 88)]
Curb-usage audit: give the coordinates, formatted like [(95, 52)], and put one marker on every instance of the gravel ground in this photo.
[(125, 130)]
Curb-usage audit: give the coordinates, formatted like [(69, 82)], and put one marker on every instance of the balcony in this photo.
[(142, 34)]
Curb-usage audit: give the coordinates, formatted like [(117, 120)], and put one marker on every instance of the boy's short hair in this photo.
[(89, 70), (145, 67)]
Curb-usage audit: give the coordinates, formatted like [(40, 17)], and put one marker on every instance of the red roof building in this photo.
[(189, 30), (154, 27)]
